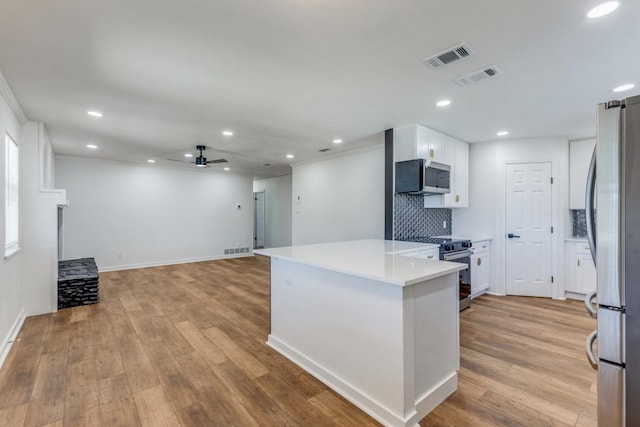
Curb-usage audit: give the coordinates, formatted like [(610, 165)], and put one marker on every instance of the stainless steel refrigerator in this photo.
[(614, 235)]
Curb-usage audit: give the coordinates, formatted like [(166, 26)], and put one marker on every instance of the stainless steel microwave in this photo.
[(422, 176)]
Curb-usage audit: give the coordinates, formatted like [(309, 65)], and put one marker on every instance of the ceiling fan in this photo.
[(201, 161)]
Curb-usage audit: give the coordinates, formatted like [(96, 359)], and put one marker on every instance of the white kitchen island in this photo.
[(378, 327)]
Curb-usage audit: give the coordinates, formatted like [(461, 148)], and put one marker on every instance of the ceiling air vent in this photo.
[(448, 56), (478, 75)]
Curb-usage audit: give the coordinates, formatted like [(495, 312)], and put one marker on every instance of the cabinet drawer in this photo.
[(480, 247), (583, 248), (433, 254)]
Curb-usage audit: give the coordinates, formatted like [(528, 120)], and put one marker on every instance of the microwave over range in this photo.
[(420, 176)]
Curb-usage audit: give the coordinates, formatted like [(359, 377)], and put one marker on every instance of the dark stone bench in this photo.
[(78, 282)]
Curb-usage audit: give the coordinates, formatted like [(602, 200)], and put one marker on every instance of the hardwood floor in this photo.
[(184, 346)]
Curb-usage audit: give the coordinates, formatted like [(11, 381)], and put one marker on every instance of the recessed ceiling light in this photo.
[(443, 103), (622, 88), (188, 155), (151, 161), (95, 113), (226, 169), (337, 141), (227, 133), (603, 9), (502, 133), (290, 156), (92, 146)]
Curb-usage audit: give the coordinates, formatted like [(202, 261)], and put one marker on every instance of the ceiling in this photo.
[(289, 76)]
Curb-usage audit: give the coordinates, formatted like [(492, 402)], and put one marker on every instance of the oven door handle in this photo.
[(457, 255)]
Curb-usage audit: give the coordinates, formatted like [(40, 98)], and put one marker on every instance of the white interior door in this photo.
[(259, 220), (528, 222)]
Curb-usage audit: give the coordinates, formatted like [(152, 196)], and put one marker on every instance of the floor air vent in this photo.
[(236, 251), (448, 56), (478, 75)]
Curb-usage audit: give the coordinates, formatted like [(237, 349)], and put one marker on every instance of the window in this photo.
[(11, 177)]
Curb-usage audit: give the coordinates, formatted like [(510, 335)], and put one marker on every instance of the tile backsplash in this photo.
[(579, 222), (411, 219)]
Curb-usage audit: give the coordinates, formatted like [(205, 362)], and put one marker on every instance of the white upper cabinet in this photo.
[(459, 161), (419, 142), (456, 154), (580, 153), (405, 144), (431, 145)]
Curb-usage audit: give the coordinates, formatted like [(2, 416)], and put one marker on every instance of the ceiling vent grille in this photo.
[(448, 56), (478, 75)]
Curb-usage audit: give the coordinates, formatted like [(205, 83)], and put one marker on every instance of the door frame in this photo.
[(558, 221), (255, 219)]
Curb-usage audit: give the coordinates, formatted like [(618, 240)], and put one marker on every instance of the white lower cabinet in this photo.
[(581, 271), (480, 267), (433, 254)]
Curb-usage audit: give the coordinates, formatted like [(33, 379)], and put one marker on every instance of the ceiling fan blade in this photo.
[(218, 161), (183, 161)]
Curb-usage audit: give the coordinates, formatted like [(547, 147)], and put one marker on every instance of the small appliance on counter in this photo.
[(454, 250)]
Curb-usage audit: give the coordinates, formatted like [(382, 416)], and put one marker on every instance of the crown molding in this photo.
[(7, 93)]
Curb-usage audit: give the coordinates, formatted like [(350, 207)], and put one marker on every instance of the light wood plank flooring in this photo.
[(184, 346)]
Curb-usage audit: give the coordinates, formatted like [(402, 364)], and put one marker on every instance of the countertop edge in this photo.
[(452, 268)]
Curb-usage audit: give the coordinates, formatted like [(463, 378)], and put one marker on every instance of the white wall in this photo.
[(340, 198), (486, 212), (39, 219), (277, 196), (11, 296), (130, 215)]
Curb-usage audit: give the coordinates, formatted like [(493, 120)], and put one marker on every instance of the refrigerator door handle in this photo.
[(590, 206), (588, 304), (589, 349)]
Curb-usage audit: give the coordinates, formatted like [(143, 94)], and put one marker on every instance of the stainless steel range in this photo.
[(454, 250)]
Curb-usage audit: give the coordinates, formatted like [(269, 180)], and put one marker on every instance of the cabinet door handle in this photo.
[(457, 198), (479, 261), (578, 262), (430, 256), (431, 152)]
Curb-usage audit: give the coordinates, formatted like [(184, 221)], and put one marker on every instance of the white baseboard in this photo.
[(170, 262), (5, 346), (574, 295), (424, 404), (432, 398)]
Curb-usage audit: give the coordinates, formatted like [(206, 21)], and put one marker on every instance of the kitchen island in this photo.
[(378, 327)]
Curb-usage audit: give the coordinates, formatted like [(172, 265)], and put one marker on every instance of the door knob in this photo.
[(512, 236)]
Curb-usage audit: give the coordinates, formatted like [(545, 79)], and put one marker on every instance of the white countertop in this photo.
[(478, 238), (576, 239), (372, 259)]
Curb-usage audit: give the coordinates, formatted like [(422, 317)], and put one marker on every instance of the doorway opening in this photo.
[(259, 220)]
